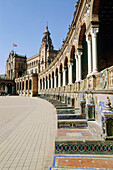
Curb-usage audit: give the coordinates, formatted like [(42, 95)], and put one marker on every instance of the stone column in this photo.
[(24, 86), (48, 83), (6, 88), (54, 81), (59, 80), (51, 82), (88, 39), (45, 83), (42, 84), (12, 89), (94, 49), (79, 64), (28, 86), (70, 73), (64, 77)]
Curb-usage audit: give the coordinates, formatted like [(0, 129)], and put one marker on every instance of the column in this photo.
[(12, 89), (42, 84), (70, 73), (54, 81), (64, 77), (59, 80), (79, 64), (51, 82), (28, 86), (45, 83), (88, 39), (94, 49), (48, 83), (77, 76), (24, 86), (6, 88)]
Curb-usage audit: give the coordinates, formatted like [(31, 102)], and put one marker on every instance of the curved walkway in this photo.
[(27, 133)]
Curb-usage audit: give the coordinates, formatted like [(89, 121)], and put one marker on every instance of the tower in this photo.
[(47, 52)]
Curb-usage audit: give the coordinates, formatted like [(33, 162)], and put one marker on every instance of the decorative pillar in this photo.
[(94, 48), (79, 63), (70, 73), (6, 88), (51, 82), (28, 86), (42, 84), (54, 81), (88, 39), (48, 83), (45, 83), (77, 66), (64, 77), (24, 86), (59, 80)]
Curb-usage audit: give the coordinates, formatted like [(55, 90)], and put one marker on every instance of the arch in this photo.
[(81, 34), (26, 84), (61, 72), (49, 81), (20, 85), (17, 85), (40, 84), (23, 85), (30, 84), (53, 85), (82, 44), (56, 73), (19, 74), (2, 87), (43, 83), (46, 82), (66, 68), (73, 60), (9, 86), (66, 62), (105, 34)]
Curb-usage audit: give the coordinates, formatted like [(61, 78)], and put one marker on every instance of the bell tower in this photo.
[(47, 52)]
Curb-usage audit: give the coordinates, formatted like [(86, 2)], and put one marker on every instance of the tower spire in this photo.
[(47, 26)]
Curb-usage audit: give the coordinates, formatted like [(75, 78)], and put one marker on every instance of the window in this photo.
[(36, 70)]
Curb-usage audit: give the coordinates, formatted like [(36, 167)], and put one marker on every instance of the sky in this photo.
[(23, 22)]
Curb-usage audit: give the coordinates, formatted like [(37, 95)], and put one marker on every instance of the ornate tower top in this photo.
[(47, 39)]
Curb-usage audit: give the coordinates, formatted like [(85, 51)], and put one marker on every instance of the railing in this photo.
[(100, 81)]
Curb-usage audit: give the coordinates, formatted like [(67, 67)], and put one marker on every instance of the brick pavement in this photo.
[(27, 133)]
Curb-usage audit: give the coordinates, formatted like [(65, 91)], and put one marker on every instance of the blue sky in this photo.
[(23, 22)]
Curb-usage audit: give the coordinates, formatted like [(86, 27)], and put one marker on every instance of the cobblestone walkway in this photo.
[(27, 133)]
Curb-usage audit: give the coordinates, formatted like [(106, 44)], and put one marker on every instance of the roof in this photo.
[(33, 57), (2, 76)]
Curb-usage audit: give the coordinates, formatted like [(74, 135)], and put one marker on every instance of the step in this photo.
[(79, 123), (80, 146), (70, 116), (65, 111), (81, 162), (64, 107)]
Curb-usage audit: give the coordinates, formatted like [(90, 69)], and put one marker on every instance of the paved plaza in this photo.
[(27, 133)]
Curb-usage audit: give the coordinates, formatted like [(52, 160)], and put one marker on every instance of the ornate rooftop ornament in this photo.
[(76, 5), (69, 27)]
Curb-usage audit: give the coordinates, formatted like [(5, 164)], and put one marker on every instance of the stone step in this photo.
[(64, 107), (86, 162), (80, 146), (65, 111), (70, 116), (79, 123)]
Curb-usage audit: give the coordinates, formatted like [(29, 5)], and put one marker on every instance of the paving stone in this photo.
[(27, 133)]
